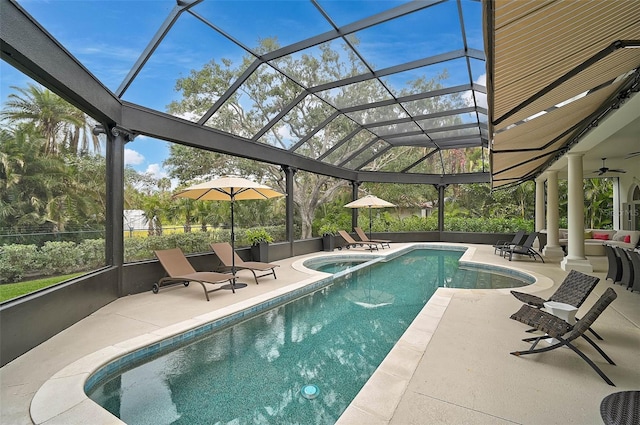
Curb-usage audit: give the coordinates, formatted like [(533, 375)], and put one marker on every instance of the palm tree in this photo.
[(80, 138), (202, 214), (182, 210), (29, 179), (65, 128), (154, 207)]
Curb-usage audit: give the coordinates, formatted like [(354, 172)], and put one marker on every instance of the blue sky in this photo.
[(107, 36)]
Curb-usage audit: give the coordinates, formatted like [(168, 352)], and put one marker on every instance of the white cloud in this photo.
[(132, 157), (481, 98), (156, 171)]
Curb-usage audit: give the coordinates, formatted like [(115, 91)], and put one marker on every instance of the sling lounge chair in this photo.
[(518, 239), (364, 238), (224, 251), (614, 271), (626, 279), (350, 242), (180, 270), (525, 249), (634, 256), (563, 332), (574, 290)]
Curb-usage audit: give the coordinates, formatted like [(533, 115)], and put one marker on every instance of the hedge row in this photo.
[(451, 224), (17, 261), (52, 258)]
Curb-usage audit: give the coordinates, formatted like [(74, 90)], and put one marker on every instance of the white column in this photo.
[(540, 216), (575, 259), (617, 214), (553, 248)]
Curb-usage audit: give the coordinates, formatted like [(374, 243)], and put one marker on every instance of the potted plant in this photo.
[(259, 238), (328, 232)]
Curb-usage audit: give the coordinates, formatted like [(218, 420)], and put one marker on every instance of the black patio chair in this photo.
[(627, 268), (563, 332), (614, 272), (574, 290), (525, 249), (621, 408), (518, 239), (634, 256)]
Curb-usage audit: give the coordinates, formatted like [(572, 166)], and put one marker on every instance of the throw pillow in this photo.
[(618, 237), (601, 236), (627, 239), (588, 235)]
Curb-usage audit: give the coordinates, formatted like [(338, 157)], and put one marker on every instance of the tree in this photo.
[(264, 95), (154, 207), (64, 128), (598, 207), (53, 191), (28, 178)]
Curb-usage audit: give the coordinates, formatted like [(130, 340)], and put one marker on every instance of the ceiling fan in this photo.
[(605, 169)]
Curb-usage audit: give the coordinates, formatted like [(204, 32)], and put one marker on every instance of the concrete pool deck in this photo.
[(451, 366)]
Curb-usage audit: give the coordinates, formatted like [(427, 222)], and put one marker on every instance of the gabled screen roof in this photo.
[(348, 83)]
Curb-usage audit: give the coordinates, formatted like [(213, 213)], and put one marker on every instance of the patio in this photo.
[(459, 346)]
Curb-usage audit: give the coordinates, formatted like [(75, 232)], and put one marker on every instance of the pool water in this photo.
[(335, 266), (300, 363)]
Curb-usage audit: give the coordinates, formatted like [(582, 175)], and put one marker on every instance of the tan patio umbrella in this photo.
[(229, 188), (369, 201)]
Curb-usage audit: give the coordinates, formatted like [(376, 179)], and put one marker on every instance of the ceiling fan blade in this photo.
[(632, 154), (615, 170)]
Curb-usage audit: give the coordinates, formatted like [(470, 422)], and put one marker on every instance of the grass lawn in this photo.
[(13, 290)]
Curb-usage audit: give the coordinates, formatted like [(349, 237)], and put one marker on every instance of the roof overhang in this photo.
[(554, 69)]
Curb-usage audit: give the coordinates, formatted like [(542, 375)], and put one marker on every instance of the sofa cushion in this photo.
[(634, 236)]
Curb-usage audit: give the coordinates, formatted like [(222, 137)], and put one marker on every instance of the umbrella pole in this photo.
[(234, 285), (369, 223), (233, 250)]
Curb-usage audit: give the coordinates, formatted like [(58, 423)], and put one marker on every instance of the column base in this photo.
[(553, 252), (579, 264)]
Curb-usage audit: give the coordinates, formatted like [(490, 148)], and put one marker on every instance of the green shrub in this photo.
[(135, 249), (257, 235), (328, 229), (16, 260), (412, 224), (92, 251), (60, 257)]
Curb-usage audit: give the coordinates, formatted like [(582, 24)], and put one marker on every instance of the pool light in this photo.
[(310, 391)]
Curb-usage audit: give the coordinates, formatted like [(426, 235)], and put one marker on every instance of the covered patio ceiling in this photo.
[(556, 70), (406, 81)]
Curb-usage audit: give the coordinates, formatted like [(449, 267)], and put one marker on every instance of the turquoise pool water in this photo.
[(335, 266), (298, 363)]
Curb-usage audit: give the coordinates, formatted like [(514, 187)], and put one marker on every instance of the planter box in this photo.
[(328, 243), (260, 252)]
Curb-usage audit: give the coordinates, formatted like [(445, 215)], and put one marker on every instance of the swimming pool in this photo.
[(338, 263), (258, 367)]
